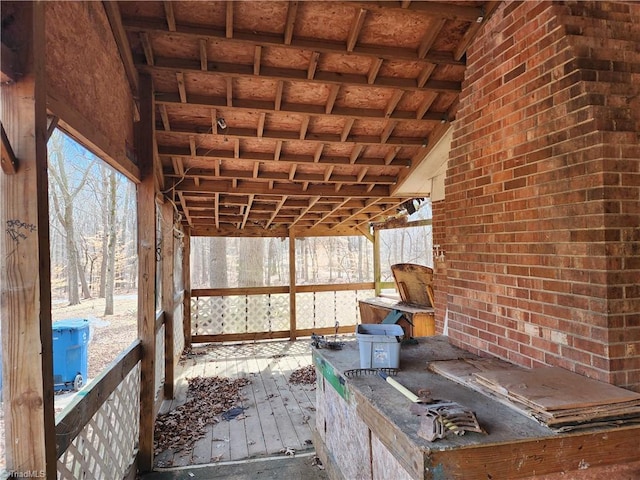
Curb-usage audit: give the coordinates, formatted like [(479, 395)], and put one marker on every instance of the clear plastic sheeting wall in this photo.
[(221, 262)]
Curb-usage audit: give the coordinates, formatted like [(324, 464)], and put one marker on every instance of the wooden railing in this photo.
[(249, 314)]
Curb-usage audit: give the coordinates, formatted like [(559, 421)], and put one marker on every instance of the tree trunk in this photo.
[(250, 266), (105, 232), (111, 250), (86, 292), (72, 256)]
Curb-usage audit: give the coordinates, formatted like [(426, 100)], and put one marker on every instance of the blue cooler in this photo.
[(70, 353)]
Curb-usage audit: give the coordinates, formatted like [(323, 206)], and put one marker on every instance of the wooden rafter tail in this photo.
[(9, 159)]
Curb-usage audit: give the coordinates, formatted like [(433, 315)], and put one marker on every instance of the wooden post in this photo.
[(186, 282), (377, 269), (168, 295), (146, 270), (25, 270), (292, 285)]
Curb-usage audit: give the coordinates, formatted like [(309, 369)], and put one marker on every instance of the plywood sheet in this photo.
[(553, 388)]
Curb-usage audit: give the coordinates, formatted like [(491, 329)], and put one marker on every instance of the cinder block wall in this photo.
[(542, 207)]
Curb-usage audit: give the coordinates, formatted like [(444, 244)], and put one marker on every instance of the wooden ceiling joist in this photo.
[(232, 70), (245, 133), (210, 156), (268, 39), (245, 105), (293, 116)]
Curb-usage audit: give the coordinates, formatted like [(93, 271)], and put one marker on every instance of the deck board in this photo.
[(278, 414)]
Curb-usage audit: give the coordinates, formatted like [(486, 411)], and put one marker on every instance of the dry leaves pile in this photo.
[(306, 375), (206, 398)]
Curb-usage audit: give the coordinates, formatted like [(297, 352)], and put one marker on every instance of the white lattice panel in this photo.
[(159, 360), (206, 316), (279, 312), (346, 307), (107, 446), (305, 312), (234, 311), (257, 319), (325, 309)]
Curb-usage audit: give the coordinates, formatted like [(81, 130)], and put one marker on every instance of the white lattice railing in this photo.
[(270, 312), (98, 439)]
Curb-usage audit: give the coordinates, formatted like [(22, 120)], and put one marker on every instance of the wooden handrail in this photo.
[(229, 292), (71, 421)]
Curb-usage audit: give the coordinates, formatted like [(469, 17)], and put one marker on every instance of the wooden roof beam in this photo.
[(291, 20), (216, 203), (291, 176), (331, 100), (203, 54), (257, 58), (384, 211), (346, 129), (165, 117), (181, 87), (376, 63), (277, 103), (229, 91), (354, 33), (245, 105), (261, 119), (312, 202), (243, 133), (276, 211), (169, 15), (188, 185), (247, 210), (358, 211), (287, 74), (277, 151), (268, 39), (313, 64), (330, 213), (393, 103), (388, 129), (304, 126), (229, 19), (209, 156), (146, 47), (433, 9), (430, 37)]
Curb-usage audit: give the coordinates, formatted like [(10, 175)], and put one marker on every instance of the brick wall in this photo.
[(542, 206)]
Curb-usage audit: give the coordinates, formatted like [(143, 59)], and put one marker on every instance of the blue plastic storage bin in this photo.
[(70, 353)]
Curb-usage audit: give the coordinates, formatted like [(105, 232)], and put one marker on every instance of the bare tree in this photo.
[(64, 190), (112, 229)]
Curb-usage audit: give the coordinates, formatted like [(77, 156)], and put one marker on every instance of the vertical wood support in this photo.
[(186, 282), (147, 270), (377, 269), (292, 285), (25, 270), (168, 295)]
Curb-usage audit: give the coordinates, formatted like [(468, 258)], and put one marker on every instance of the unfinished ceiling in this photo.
[(273, 115)]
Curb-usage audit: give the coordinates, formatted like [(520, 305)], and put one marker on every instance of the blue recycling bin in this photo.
[(70, 353)]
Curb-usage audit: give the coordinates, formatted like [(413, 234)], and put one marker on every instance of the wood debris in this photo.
[(304, 375), (207, 397)]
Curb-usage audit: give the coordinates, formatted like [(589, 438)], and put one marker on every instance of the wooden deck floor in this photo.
[(278, 415)]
